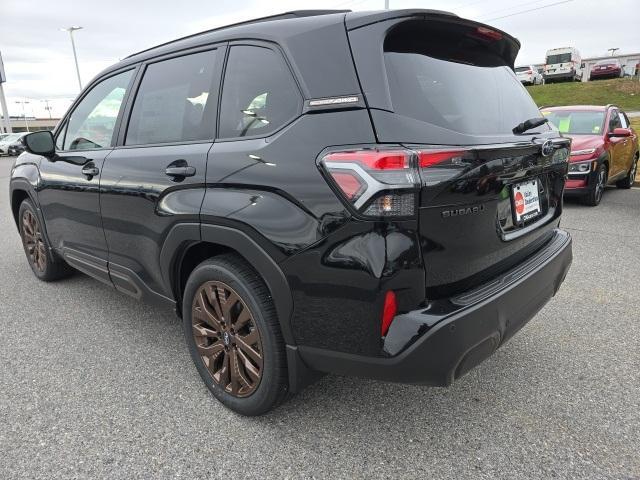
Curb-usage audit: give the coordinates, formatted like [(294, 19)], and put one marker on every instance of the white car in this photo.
[(8, 139), (529, 75)]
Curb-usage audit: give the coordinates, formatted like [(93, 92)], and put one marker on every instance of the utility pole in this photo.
[(47, 107), (612, 50), (386, 4), (73, 46), (24, 112)]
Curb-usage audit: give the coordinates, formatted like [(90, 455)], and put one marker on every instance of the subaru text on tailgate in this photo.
[(370, 194)]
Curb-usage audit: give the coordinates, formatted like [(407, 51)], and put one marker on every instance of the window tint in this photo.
[(176, 101), (614, 121), (259, 94), (92, 122)]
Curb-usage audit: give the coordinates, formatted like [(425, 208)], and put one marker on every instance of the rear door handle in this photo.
[(90, 171), (180, 171)]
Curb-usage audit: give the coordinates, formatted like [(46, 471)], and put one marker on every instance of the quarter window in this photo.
[(176, 101), (92, 122), (259, 94)]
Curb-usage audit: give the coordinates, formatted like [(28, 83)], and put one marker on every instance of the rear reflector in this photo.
[(388, 311)]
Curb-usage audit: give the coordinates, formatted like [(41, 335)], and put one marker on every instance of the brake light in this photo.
[(488, 33), (376, 182), (438, 166), (529, 72), (389, 311)]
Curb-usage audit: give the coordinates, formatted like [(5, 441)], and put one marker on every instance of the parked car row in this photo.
[(11, 143), (565, 64)]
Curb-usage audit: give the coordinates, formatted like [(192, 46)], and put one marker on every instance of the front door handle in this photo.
[(184, 171), (90, 171)]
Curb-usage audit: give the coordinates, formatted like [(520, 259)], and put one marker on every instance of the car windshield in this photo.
[(579, 122), (558, 58)]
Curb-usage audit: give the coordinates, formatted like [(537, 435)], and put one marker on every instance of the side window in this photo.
[(92, 122), (60, 137), (623, 120), (259, 94), (176, 101), (614, 121)]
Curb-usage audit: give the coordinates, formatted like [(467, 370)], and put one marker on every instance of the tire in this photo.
[(631, 176), (597, 189), (44, 263), (246, 348)]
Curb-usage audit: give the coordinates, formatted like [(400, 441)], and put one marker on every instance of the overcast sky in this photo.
[(39, 62)]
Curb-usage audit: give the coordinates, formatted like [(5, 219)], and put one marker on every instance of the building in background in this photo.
[(19, 124)]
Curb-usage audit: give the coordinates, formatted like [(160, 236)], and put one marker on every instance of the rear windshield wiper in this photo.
[(529, 124)]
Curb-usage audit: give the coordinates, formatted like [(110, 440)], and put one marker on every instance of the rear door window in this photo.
[(176, 101), (558, 58), (259, 94)]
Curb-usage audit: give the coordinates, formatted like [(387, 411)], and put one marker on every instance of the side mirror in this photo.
[(620, 132), (40, 143)]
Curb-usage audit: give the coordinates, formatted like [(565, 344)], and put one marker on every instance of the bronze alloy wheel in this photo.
[(227, 338), (33, 242)]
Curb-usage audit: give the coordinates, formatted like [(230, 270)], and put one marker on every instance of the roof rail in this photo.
[(278, 16)]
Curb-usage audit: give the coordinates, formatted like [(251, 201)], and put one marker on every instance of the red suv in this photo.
[(604, 149)]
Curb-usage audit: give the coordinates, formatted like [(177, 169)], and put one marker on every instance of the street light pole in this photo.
[(24, 112), (613, 50), (47, 107), (386, 4), (73, 46)]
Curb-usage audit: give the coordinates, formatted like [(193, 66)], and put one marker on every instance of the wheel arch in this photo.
[(188, 244), (19, 191)]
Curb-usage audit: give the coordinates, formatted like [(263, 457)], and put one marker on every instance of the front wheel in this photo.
[(233, 335), (597, 189), (628, 181)]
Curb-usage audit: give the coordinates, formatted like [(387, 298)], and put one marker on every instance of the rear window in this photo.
[(522, 69), (608, 62), (457, 80), (558, 58), (582, 122)]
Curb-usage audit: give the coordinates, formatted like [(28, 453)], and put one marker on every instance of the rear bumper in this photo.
[(605, 74), (559, 76), (436, 345)]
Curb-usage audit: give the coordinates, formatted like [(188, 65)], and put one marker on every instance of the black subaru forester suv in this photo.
[(369, 194)]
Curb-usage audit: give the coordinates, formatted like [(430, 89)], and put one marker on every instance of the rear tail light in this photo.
[(376, 182), (385, 183), (529, 72)]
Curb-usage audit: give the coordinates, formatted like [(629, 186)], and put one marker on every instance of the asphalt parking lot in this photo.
[(96, 385)]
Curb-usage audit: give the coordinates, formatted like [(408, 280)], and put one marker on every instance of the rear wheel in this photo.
[(42, 260), (628, 181), (234, 337), (597, 189)]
